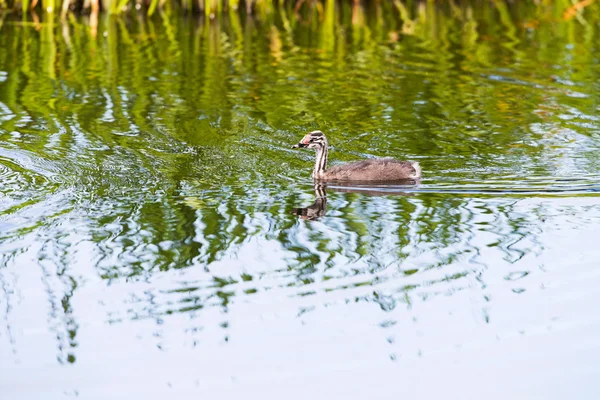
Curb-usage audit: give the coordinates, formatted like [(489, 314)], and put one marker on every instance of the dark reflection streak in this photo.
[(7, 292), (54, 253), (404, 218), (70, 285), (516, 229), (475, 260), (187, 247), (434, 233), (104, 239), (467, 209), (213, 221), (178, 228), (356, 231), (237, 231)]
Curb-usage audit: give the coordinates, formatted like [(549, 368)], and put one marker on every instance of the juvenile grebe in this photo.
[(380, 169)]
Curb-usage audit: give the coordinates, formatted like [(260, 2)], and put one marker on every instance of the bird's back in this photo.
[(382, 169)]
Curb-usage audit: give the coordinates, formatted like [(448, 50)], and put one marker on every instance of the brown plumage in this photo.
[(381, 169)]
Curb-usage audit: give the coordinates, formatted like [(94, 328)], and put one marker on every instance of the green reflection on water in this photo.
[(138, 148)]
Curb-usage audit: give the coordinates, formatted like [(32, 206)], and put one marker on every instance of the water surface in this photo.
[(149, 239)]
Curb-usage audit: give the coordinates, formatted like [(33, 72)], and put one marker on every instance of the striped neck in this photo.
[(321, 161)]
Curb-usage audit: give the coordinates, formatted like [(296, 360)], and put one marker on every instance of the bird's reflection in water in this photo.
[(316, 209), (319, 207)]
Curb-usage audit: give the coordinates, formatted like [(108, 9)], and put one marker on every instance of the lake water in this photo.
[(149, 242)]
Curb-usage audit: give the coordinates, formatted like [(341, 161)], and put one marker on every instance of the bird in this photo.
[(373, 170)]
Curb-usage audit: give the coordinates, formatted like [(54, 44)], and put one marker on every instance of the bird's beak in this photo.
[(299, 145)]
